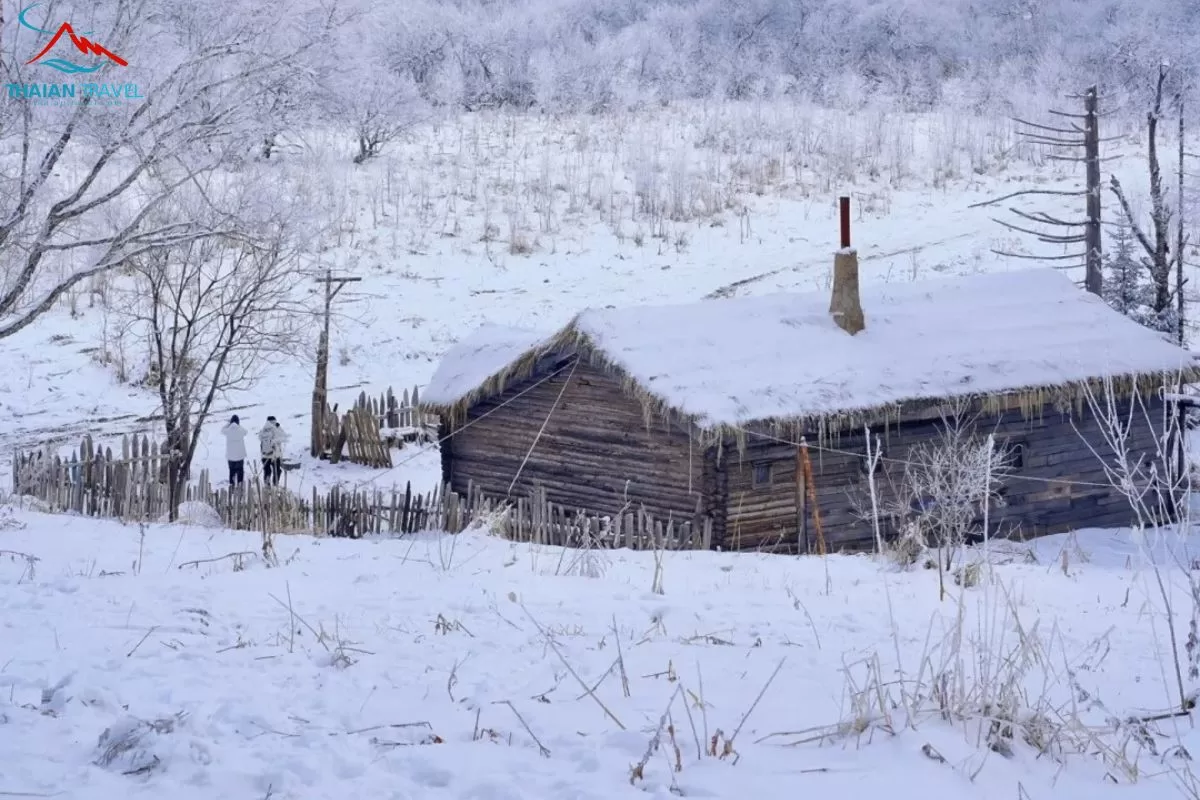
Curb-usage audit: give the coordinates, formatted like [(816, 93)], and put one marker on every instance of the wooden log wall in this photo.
[(1050, 493), (588, 448), (764, 516), (93, 482)]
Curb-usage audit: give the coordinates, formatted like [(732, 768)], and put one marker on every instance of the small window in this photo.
[(864, 463), (762, 474), (1016, 455), (876, 452)]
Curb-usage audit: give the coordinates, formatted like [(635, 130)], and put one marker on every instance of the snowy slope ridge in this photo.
[(779, 356), (167, 662)]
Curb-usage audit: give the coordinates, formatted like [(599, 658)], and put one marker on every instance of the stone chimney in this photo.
[(844, 304)]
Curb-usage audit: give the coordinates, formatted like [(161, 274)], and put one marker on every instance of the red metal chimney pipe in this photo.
[(844, 202)]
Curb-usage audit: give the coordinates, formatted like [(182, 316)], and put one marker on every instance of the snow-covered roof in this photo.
[(489, 351), (780, 357)]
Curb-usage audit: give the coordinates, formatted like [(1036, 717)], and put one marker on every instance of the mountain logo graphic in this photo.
[(81, 43)]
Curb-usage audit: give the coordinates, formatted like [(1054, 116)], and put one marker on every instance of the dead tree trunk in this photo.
[(1156, 242), (178, 465), (1085, 141)]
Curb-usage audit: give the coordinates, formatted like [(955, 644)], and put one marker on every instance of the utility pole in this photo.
[(320, 386), (1180, 236), (1094, 278)]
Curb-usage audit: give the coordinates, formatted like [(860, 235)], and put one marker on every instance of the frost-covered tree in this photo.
[(1126, 286), (596, 54), (82, 177), (1163, 266), (370, 92)]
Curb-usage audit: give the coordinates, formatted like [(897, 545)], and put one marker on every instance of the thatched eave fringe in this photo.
[(1030, 400)]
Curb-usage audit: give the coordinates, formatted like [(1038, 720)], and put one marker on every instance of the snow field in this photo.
[(439, 666)]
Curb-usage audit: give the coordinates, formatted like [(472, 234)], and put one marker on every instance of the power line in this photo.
[(757, 434), (571, 363), (837, 451)]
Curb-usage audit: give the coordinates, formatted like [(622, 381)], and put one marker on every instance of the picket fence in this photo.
[(131, 486), (373, 426), (398, 418)]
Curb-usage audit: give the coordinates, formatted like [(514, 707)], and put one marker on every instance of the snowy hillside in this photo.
[(170, 661), (525, 220)]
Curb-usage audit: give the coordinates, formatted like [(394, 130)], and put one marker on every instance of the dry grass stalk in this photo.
[(574, 674), (659, 544), (638, 771), (984, 692), (757, 700), (596, 685), (443, 626), (153, 628), (692, 724), (237, 560), (541, 747), (31, 561), (620, 658)]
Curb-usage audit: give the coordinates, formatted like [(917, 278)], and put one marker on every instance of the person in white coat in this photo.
[(271, 440), (235, 450)]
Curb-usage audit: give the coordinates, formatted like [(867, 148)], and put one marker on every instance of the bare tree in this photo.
[(214, 311), (282, 102), (372, 94), (1157, 484), (1084, 139), (75, 197), (1156, 241), (939, 501), (381, 113)]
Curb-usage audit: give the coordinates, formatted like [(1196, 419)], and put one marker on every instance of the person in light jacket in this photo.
[(270, 440), (235, 450)]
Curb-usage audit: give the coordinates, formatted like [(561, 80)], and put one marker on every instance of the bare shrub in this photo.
[(379, 108), (1157, 487), (587, 556), (128, 745), (944, 495), (8, 518), (1002, 682)]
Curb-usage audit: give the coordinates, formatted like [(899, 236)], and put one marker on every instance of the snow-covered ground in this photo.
[(440, 667), (527, 220)]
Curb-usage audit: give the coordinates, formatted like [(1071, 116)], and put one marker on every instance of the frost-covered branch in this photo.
[(940, 499), (216, 309), (88, 172), (1155, 241)]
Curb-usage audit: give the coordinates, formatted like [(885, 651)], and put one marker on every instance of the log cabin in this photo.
[(754, 412)]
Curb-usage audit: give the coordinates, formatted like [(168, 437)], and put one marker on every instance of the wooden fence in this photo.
[(399, 419), (539, 521), (94, 482), (373, 426)]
